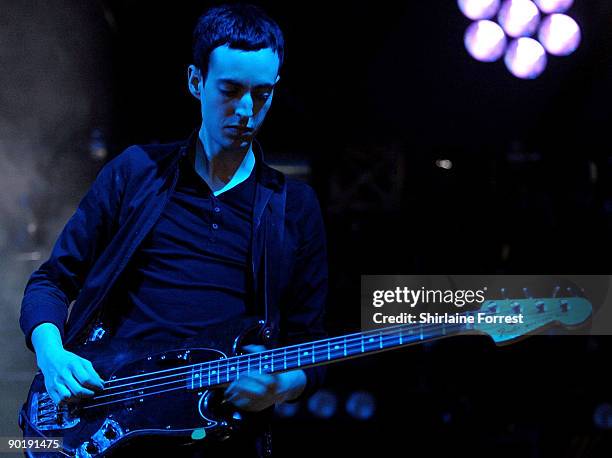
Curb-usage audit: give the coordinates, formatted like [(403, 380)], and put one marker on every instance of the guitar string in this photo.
[(183, 386), (203, 373), (375, 336), (325, 340), (386, 338), (278, 352)]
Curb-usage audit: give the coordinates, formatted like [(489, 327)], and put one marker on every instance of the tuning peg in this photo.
[(555, 291), (503, 293), (571, 291), (527, 293)]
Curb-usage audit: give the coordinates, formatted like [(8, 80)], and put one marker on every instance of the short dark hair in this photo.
[(241, 26)]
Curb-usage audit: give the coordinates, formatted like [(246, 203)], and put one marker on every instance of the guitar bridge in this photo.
[(48, 416)]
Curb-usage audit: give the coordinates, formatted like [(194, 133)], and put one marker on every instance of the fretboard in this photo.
[(325, 351)]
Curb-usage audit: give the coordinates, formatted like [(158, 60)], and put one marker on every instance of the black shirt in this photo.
[(191, 270)]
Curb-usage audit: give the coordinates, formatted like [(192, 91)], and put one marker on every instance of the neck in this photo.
[(215, 164)]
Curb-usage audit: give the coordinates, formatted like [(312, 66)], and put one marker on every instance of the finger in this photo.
[(60, 393), (268, 381), (92, 372), (75, 387), (251, 405), (86, 378), (254, 348), (247, 388), (247, 403)]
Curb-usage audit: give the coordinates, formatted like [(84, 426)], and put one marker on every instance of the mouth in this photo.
[(240, 129)]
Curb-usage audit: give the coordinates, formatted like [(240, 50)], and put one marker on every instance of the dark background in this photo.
[(372, 94)]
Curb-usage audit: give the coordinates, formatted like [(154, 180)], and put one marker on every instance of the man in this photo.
[(174, 238)]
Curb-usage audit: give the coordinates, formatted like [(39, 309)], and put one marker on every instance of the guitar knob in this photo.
[(92, 448)]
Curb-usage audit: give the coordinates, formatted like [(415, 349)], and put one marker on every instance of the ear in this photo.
[(194, 78)]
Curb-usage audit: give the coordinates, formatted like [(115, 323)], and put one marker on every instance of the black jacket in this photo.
[(288, 266)]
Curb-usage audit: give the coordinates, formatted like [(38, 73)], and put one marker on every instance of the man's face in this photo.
[(237, 95)]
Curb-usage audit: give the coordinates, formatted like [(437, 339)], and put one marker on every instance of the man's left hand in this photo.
[(259, 391)]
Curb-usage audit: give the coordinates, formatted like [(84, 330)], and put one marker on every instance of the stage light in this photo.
[(479, 9), (485, 41), (525, 58), (559, 34), (361, 405), (602, 417), (445, 164), (519, 18), (323, 404), (554, 6), (97, 145)]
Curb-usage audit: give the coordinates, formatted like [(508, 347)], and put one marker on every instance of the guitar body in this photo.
[(168, 404)]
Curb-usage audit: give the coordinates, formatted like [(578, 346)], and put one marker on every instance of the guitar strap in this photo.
[(273, 251)]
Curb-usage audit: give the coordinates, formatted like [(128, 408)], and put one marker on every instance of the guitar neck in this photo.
[(325, 351)]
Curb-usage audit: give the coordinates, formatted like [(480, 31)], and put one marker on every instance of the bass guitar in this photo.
[(152, 390)]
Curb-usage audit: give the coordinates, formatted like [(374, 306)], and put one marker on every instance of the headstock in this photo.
[(501, 319)]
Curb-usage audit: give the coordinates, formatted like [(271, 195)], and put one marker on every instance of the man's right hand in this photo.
[(68, 377)]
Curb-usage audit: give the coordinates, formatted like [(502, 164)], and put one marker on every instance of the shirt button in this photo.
[(215, 226), (217, 209)]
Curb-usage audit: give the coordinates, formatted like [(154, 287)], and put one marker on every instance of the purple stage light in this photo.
[(519, 18), (479, 9), (559, 34), (485, 41), (525, 58), (554, 6)]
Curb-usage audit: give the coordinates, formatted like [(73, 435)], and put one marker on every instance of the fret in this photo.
[(401, 337), (285, 359), (328, 350), (345, 346), (248, 364), (362, 349), (313, 353), (209, 371), (259, 363), (380, 339), (272, 360), (227, 371), (218, 372), (298, 353), (200, 376), (421, 331)]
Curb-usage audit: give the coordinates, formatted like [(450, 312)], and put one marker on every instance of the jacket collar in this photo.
[(266, 175)]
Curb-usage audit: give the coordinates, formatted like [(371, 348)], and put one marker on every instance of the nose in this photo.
[(245, 106)]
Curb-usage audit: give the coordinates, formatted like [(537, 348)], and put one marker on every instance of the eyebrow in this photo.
[(237, 83)]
